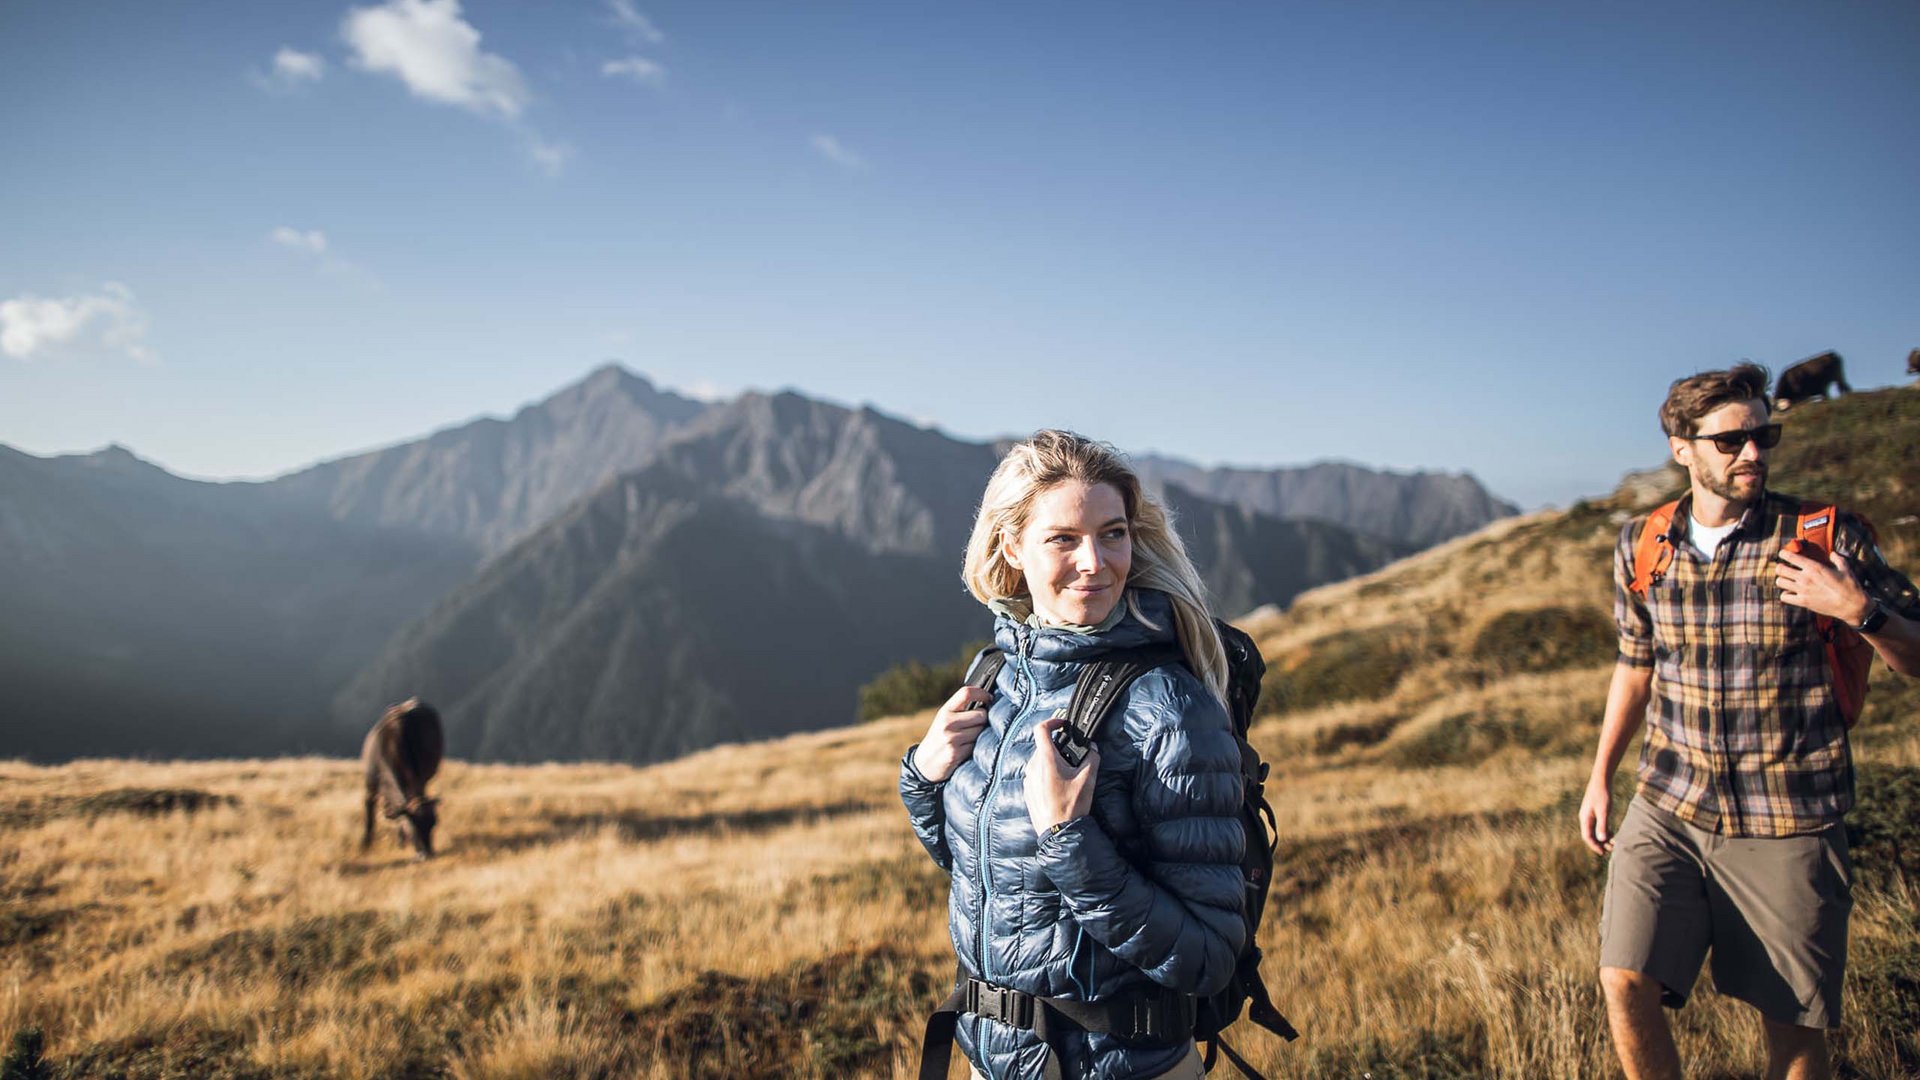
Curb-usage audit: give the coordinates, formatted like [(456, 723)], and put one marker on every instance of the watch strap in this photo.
[(1875, 619)]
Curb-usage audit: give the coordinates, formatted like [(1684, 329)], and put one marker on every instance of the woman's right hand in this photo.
[(950, 737)]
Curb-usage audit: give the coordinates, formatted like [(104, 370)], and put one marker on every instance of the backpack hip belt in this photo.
[(1145, 1017)]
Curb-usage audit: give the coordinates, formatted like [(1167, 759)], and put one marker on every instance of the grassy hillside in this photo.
[(762, 911)]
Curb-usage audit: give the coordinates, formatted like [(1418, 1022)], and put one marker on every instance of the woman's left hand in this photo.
[(1057, 792)]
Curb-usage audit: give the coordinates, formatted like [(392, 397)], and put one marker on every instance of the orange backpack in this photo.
[(1849, 656)]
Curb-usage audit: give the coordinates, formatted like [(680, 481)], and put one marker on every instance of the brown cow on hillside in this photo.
[(400, 755), (1913, 362), (1809, 379)]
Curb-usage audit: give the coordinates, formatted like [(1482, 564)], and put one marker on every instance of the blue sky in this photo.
[(241, 237)]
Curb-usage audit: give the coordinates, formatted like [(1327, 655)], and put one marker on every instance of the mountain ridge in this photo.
[(367, 572)]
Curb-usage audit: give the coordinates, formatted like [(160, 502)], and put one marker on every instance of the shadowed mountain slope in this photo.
[(149, 614), (882, 483), (656, 618)]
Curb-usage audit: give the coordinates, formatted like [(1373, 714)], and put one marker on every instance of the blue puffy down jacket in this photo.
[(1146, 887)]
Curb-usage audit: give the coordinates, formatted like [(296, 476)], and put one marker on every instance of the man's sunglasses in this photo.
[(1766, 437)]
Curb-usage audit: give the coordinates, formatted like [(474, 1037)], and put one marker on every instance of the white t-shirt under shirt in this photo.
[(1708, 538)]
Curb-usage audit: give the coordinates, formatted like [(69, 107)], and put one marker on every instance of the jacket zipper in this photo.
[(985, 814)]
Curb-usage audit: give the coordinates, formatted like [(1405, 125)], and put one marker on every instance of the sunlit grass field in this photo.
[(763, 911)]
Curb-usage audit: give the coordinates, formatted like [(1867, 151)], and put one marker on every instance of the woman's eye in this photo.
[(1116, 534), (1061, 539)]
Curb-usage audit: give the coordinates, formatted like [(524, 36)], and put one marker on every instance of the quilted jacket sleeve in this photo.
[(925, 810), (1179, 915)]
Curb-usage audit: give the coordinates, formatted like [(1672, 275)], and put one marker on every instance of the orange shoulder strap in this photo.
[(1816, 526), (1653, 550)]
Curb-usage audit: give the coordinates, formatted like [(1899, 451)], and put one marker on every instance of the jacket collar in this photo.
[(1148, 621)]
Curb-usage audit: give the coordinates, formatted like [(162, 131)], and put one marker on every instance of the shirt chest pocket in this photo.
[(1667, 607), (1774, 628)]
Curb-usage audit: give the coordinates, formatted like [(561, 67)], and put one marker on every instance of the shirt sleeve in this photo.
[(1853, 538), (1630, 616)]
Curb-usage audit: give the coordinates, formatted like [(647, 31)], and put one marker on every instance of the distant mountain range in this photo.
[(615, 572), (1420, 509)]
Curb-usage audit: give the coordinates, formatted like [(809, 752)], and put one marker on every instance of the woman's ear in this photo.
[(1009, 551)]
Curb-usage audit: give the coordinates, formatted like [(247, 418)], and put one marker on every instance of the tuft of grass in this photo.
[(352, 947), (149, 802), (815, 1020), (1466, 738), (24, 1059), (142, 802), (1546, 638), (1363, 664)]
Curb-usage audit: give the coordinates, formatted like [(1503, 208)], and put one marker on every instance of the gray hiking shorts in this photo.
[(1772, 910)]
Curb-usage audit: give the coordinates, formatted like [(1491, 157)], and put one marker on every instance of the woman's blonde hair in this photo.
[(1160, 561)]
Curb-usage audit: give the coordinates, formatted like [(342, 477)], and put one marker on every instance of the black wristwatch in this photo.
[(1875, 619)]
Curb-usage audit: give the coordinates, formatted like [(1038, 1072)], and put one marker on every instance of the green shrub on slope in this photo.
[(914, 687)]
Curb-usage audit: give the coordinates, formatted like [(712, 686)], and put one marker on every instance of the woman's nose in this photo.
[(1089, 561)]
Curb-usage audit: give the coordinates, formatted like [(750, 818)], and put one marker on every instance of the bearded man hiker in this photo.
[(1734, 840)]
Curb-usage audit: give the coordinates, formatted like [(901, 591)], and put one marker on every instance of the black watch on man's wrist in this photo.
[(1875, 619)]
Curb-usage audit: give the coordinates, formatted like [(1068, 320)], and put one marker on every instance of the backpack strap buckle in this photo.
[(1000, 1003)]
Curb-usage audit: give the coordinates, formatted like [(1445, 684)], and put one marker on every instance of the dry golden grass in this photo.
[(763, 911)]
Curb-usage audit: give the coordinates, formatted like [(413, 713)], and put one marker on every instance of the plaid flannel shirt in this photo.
[(1743, 736)]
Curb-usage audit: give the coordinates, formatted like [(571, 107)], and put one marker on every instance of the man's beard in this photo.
[(1722, 485)]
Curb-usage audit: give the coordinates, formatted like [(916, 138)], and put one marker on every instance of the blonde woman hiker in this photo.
[(1083, 891)]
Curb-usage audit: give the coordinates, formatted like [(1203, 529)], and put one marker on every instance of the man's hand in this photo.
[(1055, 792), (1824, 588), (951, 736), (1595, 813)]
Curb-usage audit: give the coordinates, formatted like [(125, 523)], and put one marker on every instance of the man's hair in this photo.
[(1695, 396)]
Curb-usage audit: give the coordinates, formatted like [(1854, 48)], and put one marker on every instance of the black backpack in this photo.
[(1100, 686)]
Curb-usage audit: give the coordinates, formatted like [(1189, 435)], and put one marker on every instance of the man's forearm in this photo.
[(1627, 697), (1898, 643)]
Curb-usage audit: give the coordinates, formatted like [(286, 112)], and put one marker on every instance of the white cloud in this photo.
[(32, 326), (431, 48), (313, 240), (292, 66), (638, 68), (637, 26), (551, 157), (830, 148)]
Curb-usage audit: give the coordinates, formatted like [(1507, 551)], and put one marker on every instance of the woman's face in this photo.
[(1075, 552)]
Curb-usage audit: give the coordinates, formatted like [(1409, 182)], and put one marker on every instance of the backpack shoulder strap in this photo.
[(1100, 685), (986, 668), (1814, 528), (1653, 549), (1815, 525)]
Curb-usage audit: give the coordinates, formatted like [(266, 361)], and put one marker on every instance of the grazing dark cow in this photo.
[(1913, 362), (400, 755), (1809, 379)]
